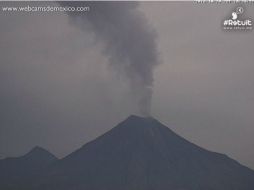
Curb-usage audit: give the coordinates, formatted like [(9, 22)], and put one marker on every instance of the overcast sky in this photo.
[(58, 91)]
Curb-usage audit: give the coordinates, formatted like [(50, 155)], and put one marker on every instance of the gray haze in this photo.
[(58, 91), (129, 42)]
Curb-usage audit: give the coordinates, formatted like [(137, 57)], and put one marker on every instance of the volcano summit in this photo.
[(143, 154)]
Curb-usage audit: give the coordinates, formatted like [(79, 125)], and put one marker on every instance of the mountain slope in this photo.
[(16, 171), (142, 154)]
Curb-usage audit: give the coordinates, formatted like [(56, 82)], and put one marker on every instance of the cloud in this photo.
[(129, 42)]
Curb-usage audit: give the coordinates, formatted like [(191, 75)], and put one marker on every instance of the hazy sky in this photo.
[(59, 92)]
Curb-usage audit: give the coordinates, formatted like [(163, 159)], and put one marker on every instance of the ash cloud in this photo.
[(130, 43)]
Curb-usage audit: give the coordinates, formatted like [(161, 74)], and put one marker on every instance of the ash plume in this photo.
[(129, 43)]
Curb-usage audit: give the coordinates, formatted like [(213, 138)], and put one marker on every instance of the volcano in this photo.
[(143, 154)]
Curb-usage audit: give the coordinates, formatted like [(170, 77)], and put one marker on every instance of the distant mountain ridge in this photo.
[(143, 154), (14, 171)]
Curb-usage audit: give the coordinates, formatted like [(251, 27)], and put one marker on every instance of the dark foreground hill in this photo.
[(142, 154), (15, 172)]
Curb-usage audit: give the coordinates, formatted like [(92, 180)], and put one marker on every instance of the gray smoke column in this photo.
[(129, 43)]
